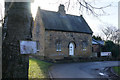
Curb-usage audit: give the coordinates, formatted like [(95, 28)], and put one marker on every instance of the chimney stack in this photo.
[(62, 10)]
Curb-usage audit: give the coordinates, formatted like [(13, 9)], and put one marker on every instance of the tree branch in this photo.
[(90, 8), (68, 5)]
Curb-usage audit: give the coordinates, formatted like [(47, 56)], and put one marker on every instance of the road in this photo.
[(82, 70)]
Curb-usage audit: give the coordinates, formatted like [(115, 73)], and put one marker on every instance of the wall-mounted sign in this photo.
[(28, 47), (106, 54)]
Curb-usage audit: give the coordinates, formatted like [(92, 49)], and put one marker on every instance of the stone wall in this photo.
[(51, 37), (38, 34)]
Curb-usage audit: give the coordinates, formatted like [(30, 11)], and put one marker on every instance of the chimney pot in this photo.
[(62, 10)]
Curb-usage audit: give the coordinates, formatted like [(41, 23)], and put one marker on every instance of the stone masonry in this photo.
[(48, 41), (51, 37), (47, 38)]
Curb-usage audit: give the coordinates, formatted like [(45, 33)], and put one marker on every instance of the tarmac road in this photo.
[(82, 70)]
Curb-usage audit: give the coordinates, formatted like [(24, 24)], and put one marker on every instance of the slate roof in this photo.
[(55, 21), (97, 42)]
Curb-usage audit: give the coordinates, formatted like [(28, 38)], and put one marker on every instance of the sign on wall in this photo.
[(28, 47), (106, 53)]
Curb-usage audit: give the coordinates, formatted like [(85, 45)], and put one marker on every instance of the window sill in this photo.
[(38, 50), (84, 49), (58, 50)]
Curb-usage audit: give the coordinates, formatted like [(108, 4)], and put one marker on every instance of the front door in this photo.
[(71, 49)]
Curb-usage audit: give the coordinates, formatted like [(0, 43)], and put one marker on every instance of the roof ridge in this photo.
[(53, 20), (58, 13)]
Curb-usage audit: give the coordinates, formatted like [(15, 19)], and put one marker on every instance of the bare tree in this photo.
[(86, 5), (112, 33), (108, 31), (117, 36)]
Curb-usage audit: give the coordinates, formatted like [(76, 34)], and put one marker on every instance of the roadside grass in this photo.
[(117, 70), (38, 69)]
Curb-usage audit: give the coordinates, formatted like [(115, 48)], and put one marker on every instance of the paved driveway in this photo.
[(81, 70)]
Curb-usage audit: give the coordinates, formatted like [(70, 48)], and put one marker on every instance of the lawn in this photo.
[(38, 69), (117, 70)]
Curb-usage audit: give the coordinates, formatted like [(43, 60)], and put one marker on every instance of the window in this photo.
[(38, 46), (5, 23), (92, 49), (84, 46), (58, 46)]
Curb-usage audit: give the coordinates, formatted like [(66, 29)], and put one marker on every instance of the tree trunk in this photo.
[(18, 23)]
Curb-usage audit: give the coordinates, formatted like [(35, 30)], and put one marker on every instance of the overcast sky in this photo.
[(95, 24)]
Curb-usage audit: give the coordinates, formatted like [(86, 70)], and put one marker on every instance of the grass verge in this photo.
[(117, 70), (38, 69)]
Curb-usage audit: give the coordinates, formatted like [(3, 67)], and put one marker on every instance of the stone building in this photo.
[(60, 35), (96, 47)]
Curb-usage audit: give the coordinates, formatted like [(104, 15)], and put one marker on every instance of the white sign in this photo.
[(106, 53), (28, 47)]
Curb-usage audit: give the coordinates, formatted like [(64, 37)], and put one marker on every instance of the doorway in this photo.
[(71, 49)]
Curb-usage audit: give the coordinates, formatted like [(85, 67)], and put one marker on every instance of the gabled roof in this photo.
[(55, 21)]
